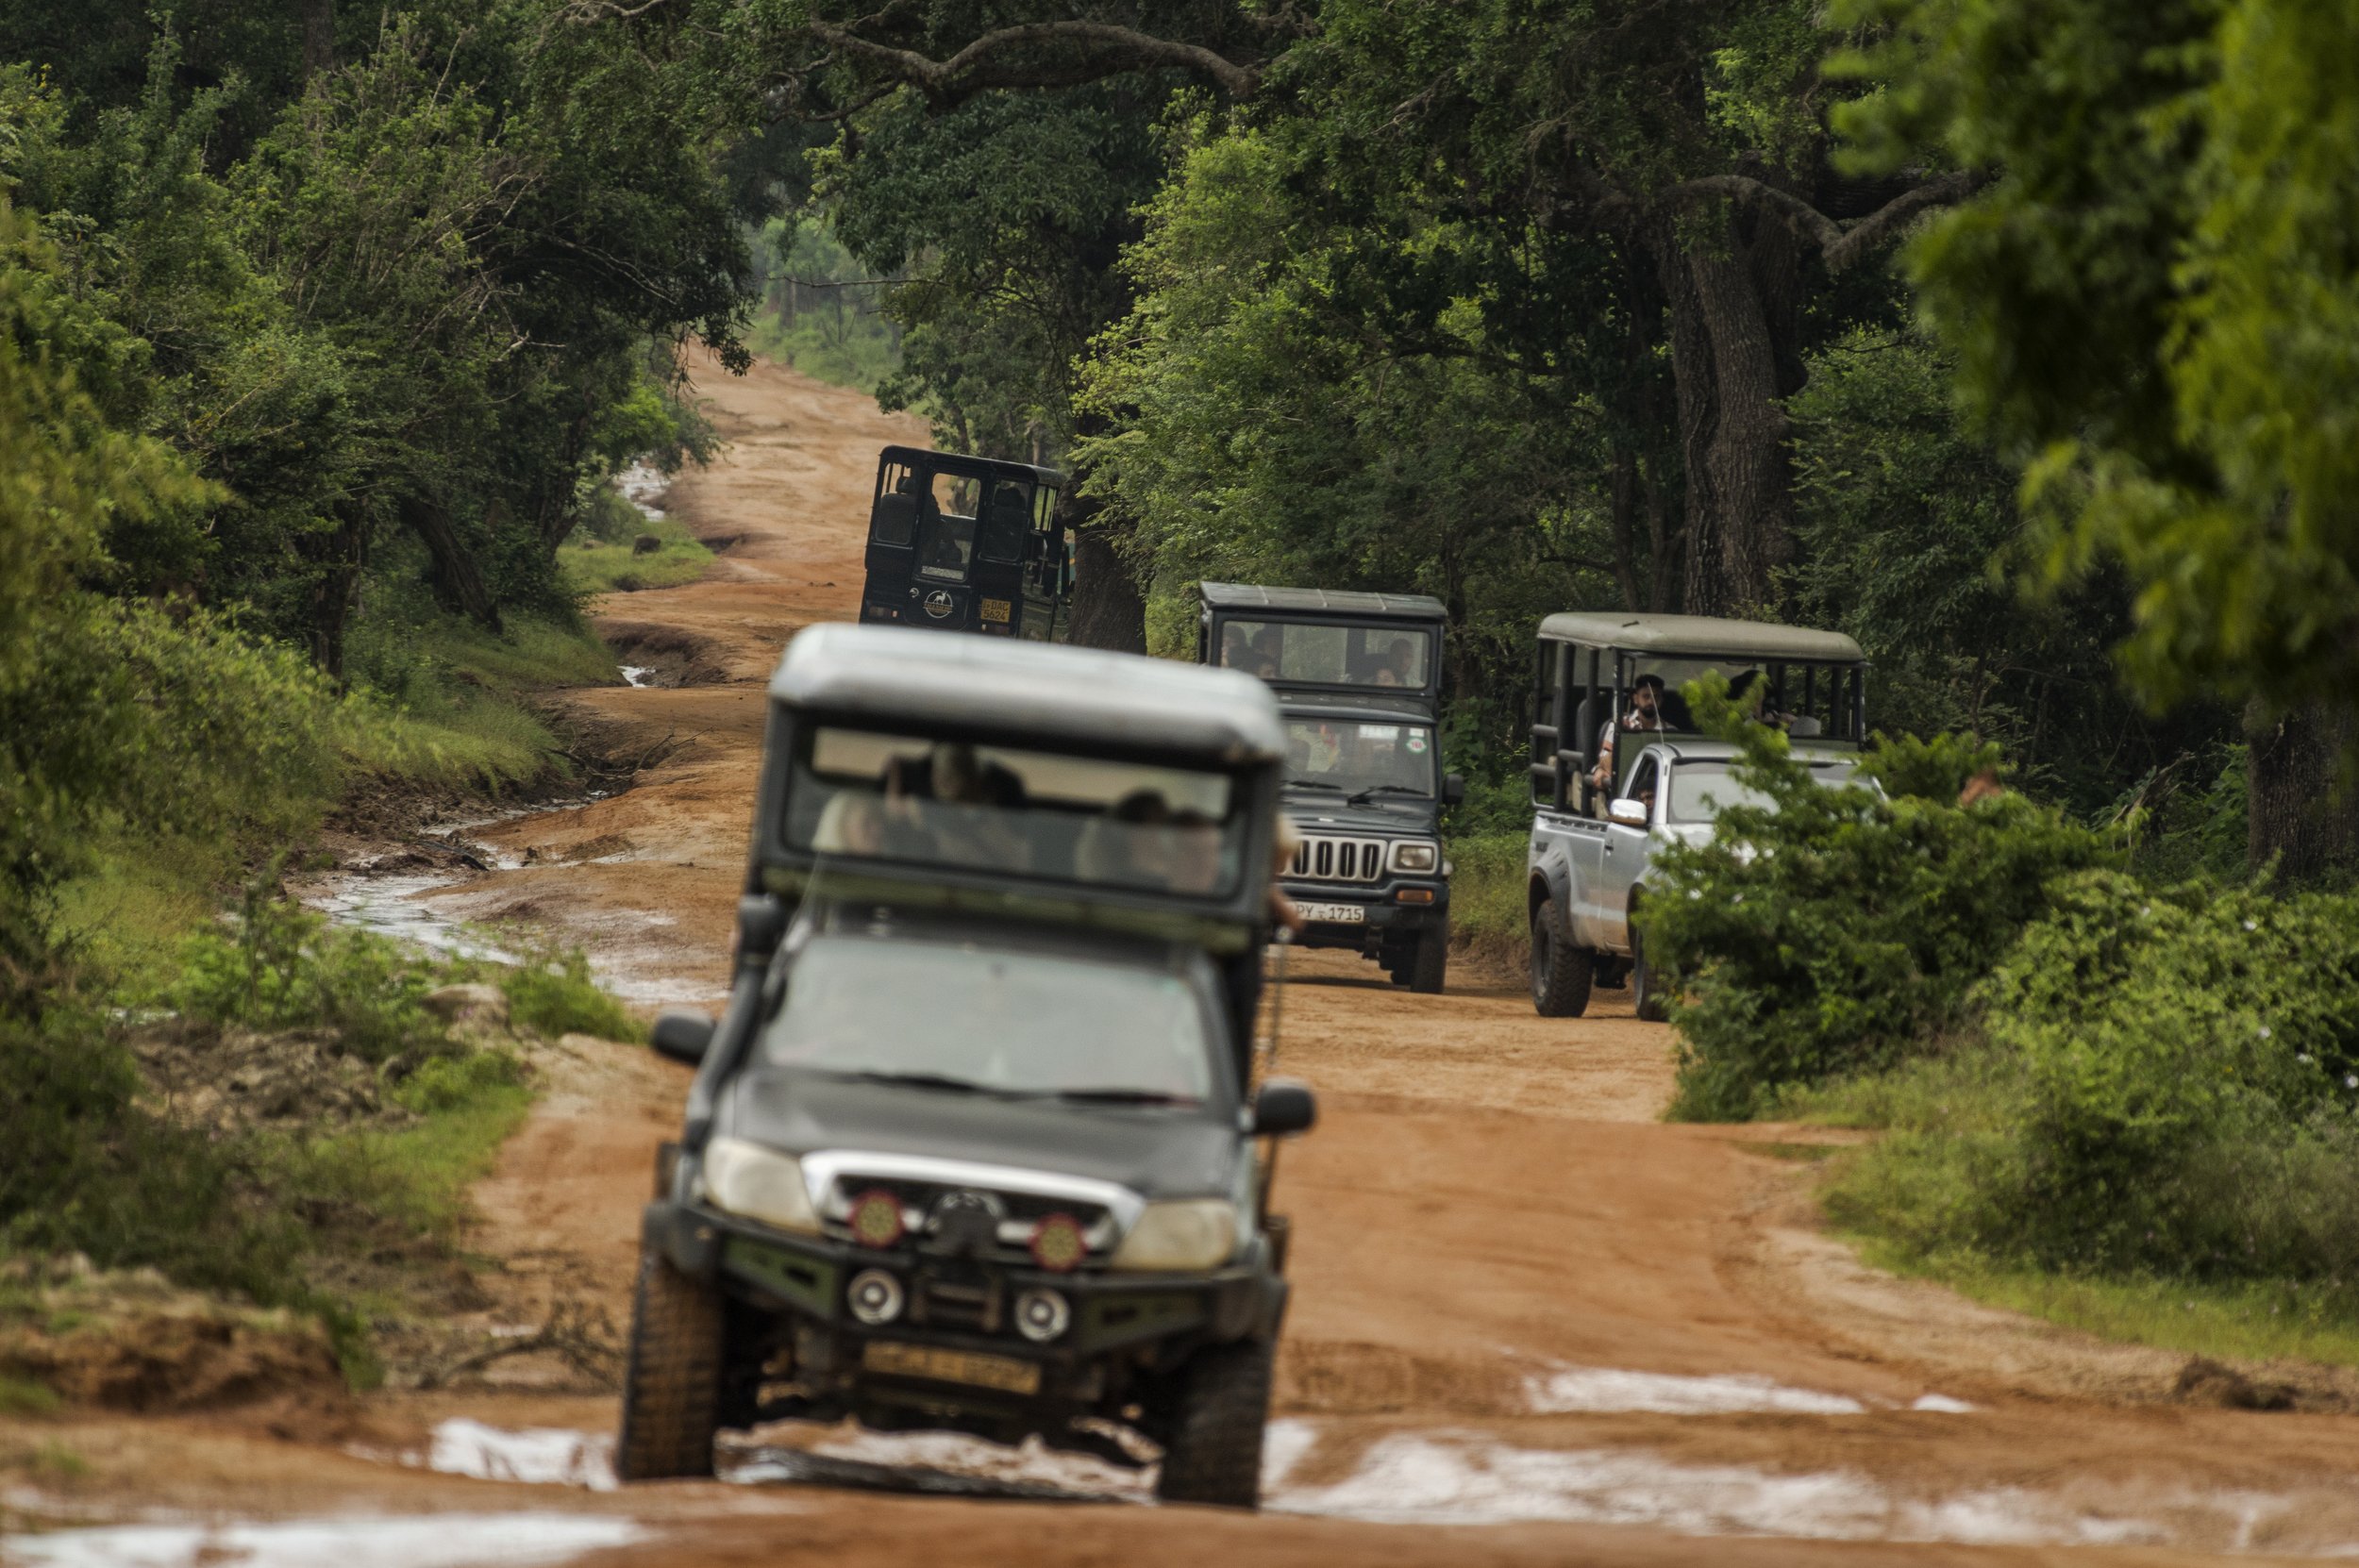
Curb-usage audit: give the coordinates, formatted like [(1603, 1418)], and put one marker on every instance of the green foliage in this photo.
[(551, 991), (2158, 302), (281, 967), (1487, 908), (2161, 1086), (1841, 929), (591, 566), (823, 312)]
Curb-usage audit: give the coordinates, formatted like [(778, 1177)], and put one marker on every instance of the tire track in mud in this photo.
[(1522, 1303)]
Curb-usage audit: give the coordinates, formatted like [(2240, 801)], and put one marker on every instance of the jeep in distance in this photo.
[(1359, 677), (1605, 794), (958, 543), (977, 1146)]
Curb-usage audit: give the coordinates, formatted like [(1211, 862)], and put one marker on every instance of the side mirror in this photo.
[(682, 1036), (1453, 788), (1284, 1105), (761, 925), (1629, 811)]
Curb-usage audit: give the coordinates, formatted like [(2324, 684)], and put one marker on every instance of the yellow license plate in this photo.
[(996, 610), (1004, 1374)]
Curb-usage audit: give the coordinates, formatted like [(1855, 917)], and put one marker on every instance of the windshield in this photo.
[(1353, 758), (1009, 1023), (1701, 790), (861, 794), (1326, 653)]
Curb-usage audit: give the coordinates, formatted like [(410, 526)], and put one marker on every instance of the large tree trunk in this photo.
[(319, 36), (1751, 493), (334, 589), (1699, 413), (2300, 808), (457, 583), (1108, 610)]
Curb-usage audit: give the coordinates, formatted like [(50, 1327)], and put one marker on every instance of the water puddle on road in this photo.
[(423, 1540)]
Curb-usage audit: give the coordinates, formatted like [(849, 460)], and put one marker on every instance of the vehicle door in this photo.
[(1624, 853), (1566, 848)]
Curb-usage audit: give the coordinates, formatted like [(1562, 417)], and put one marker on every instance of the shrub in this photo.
[(1835, 929), (279, 966), (552, 992)]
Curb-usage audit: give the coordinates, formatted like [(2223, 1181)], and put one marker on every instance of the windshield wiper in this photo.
[(1361, 797), (1314, 784), (921, 1081), (1125, 1097)]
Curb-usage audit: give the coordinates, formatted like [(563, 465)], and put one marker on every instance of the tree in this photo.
[(2156, 309)]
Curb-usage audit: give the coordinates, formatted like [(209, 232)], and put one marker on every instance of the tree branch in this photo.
[(1107, 50), (1841, 248)]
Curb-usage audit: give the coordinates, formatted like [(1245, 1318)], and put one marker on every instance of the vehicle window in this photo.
[(1018, 1023), (1644, 780), (1000, 533), (1701, 790), (1328, 654), (1353, 756), (864, 794)]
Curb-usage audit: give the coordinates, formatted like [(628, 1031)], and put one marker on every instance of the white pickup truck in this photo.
[(1597, 820)]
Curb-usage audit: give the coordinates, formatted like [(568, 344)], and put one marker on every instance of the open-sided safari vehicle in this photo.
[(1605, 794), (974, 1145), (962, 544)]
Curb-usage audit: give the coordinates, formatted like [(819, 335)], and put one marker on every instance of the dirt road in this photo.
[(1532, 1324)]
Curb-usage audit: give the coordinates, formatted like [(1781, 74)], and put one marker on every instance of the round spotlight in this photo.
[(876, 1219), (1058, 1243), (876, 1297), (1042, 1315)]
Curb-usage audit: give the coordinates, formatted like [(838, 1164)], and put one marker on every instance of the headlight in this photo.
[(1200, 1234), (761, 1184), (1415, 856)]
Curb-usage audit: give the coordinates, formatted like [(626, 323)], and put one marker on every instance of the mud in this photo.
[(1531, 1324), (226, 1081)]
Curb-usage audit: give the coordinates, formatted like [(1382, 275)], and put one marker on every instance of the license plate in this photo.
[(997, 610), (1004, 1374), (1335, 914)]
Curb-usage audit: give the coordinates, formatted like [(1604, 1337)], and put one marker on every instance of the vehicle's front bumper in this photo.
[(1382, 913), (806, 1276)]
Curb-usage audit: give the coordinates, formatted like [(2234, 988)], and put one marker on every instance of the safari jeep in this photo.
[(1359, 677), (1597, 819), (976, 1144), (958, 543)]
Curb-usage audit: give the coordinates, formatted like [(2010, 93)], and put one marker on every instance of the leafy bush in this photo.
[(281, 966), (1838, 929), (2162, 1085), (552, 992)]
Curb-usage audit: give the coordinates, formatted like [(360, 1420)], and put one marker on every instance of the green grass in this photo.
[(20, 1396), (2249, 1322), (456, 718), (1487, 912), (126, 917), (591, 566), (552, 993)]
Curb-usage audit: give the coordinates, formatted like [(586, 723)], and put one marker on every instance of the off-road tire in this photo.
[(1560, 972), (1213, 1451), (1645, 989), (1430, 966), (672, 1382)]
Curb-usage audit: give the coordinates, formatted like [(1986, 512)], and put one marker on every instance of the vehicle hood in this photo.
[(1155, 1153), (1316, 811)]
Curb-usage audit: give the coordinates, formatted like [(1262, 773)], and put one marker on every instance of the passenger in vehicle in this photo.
[(853, 824), (1400, 662), (1645, 713), (1194, 861)]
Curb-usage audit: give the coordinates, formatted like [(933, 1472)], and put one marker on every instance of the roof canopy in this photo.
[(1035, 691), (1698, 637), (954, 463), (1321, 601)]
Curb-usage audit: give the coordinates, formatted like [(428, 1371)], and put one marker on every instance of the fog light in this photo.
[(876, 1297), (876, 1218), (1042, 1315)]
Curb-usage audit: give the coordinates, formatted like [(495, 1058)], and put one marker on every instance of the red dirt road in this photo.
[(1531, 1323)]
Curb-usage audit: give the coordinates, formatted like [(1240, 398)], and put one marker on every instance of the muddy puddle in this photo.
[(430, 1541)]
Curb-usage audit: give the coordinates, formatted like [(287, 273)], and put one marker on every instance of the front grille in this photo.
[(924, 1204), (1331, 859)]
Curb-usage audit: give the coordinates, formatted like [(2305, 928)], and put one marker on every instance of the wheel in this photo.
[(1430, 965), (672, 1384), (1646, 993), (1560, 971), (1214, 1453)]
